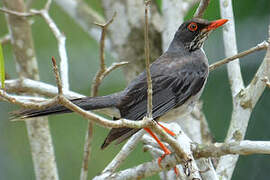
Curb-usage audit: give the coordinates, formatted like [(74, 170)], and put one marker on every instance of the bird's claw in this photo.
[(162, 157), (176, 171)]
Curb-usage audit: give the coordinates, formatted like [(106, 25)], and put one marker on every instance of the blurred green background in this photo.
[(68, 131)]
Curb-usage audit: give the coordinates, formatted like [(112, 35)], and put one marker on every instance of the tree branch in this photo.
[(125, 151), (58, 35), (199, 150), (230, 45), (61, 39), (100, 75), (38, 130), (102, 69), (259, 47), (244, 102), (245, 147), (201, 8), (25, 85), (147, 61)]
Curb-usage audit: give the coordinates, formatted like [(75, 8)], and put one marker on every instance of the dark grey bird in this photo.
[(178, 78)]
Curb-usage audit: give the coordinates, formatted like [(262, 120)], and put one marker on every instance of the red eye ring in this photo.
[(193, 26)]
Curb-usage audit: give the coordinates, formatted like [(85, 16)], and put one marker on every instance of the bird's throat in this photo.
[(197, 42)]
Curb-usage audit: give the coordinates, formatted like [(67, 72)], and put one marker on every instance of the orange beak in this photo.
[(216, 24)]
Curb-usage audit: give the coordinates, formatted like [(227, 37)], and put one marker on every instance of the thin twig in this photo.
[(102, 69), (38, 130), (244, 147), (261, 46), (37, 105), (147, 62), (125, 151), (61, 39), (87, 151), (100, 120), (113, 66), (47, 5), (57, 77), (147, 169), (22, 14), (32, 105), (230, 47), (244, 101), (32, 86), (201, 8), (44, 13)]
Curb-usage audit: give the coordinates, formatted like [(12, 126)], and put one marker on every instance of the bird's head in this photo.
[(193, 33)]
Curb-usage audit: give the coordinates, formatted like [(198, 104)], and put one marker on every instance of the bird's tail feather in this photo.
[(118, 134), (87, 103)]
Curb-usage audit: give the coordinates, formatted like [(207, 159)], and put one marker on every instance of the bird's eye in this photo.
[(192, 26)]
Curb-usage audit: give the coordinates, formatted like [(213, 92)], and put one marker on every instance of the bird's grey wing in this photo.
[(168, 92)]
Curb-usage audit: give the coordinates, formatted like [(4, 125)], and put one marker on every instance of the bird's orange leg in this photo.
[(163, 147), (166, 129)]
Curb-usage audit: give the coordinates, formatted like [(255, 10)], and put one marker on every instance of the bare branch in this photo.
[(182, 150), (259, 47), (125, 151), (38, 130), (47, 5), (100, 74), (88, 115), (245, 147), (59, 36), (244, 102), (114, 66), (199, 150), (61, 39), (31, 86), (22, 14), (141, 171), (201, 8), (57, 77), (147, 62), (35, 105), (230, 45), (170, 161), (87, 151)]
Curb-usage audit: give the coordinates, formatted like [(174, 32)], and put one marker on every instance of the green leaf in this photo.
[(2, 68)]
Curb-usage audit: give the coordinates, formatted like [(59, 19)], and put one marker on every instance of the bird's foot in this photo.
[(163, 147), (166, 129), (167, 152), (176, 171)]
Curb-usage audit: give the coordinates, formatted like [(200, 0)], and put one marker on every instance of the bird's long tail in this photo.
[(87, 103)]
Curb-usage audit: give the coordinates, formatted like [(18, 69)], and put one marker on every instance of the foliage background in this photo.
[(68, 131)]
